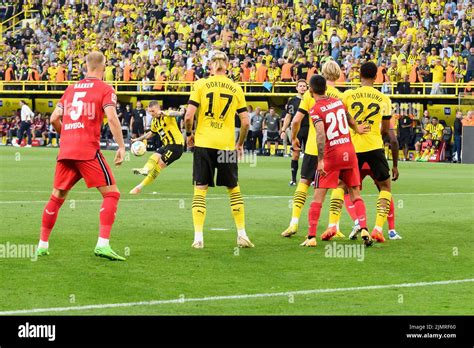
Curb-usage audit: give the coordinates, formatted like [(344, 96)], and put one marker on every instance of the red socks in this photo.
[(107, 213), (50, 214), (350, 207), (313, 218), (360, 211), (391, 216)]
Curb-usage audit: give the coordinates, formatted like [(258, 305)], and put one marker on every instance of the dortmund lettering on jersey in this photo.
[(168, 130), (218, 99), (368, 105)]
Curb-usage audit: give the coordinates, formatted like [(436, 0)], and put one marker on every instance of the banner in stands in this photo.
[(45, 105), (447, 112), (10, 105)]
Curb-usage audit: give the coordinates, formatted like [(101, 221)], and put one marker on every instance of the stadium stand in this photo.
[(151, 41), (421, 47)]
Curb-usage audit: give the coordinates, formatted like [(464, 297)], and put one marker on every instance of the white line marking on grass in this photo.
[(226, 197), (234, 297)]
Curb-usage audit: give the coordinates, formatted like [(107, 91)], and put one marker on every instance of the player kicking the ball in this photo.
[(337, 159), (163, 124), (82, 108)]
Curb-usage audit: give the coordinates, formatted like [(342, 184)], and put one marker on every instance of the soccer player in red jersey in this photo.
[(78, 118), (337, 159)]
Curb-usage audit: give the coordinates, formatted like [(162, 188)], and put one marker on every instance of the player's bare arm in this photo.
[(244, 128), (188, 124), (321, 142), (147, 135), (385, 130), (295, 128), (116, 129), (286, 124), (55, 119), (358, 128)]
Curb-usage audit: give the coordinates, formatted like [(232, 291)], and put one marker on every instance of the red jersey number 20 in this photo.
[(337, 124)]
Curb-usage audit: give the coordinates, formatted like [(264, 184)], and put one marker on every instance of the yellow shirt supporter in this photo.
[(167, 128), (218, 99), (306, 104), (435, 131), (368, 106)]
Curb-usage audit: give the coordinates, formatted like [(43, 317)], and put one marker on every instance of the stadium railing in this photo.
[(421, 90), (15, 20)]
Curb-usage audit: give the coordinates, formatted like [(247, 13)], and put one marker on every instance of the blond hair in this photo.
[(219, 61), (331, 71), (95, 60)]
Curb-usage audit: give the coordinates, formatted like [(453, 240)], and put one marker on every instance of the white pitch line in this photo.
[(219, 197), (234, 297)]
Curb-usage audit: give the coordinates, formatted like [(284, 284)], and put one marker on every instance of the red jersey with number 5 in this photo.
[(83, 105), (339, 151)]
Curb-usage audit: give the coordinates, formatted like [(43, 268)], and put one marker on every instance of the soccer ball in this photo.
[(138, 148)]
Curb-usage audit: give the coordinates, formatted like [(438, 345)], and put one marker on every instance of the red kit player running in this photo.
[(337, 159), (82, 110)]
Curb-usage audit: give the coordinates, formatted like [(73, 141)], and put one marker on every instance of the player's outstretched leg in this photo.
[(383, 208), (313, 218), (350, 207), (107, 214), (238, 212), (199, 215), (299, 199), (151, 169), (50, 214), (392, 233), (362, 217), (335, 209)]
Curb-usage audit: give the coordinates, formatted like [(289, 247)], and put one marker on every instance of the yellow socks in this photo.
[(199, 212), (299, 199), (152, 174), (335, 206), (237, 207), (151, 163), (383, 208)]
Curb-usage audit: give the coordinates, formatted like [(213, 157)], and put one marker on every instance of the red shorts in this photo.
[(350, 176), (95, 172)]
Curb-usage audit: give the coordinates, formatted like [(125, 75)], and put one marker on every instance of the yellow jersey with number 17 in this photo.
[(218, 99), (368, 106)]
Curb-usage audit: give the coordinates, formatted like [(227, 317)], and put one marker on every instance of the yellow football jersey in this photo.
[(167, 128), (306, 104), (334, 92), (218, 98), (435, 131), (369, 106)]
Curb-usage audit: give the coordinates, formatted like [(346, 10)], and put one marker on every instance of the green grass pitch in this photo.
[(434, 216)]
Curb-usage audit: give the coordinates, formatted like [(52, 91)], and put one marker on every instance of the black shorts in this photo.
[(170, 153), (273, 136), (377, 162), (303, 137), (404, 139), (308, 168), (435, 143), (138, 128), (205, 163)]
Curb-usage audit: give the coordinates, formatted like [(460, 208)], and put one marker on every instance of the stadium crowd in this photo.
[(267, 40)]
